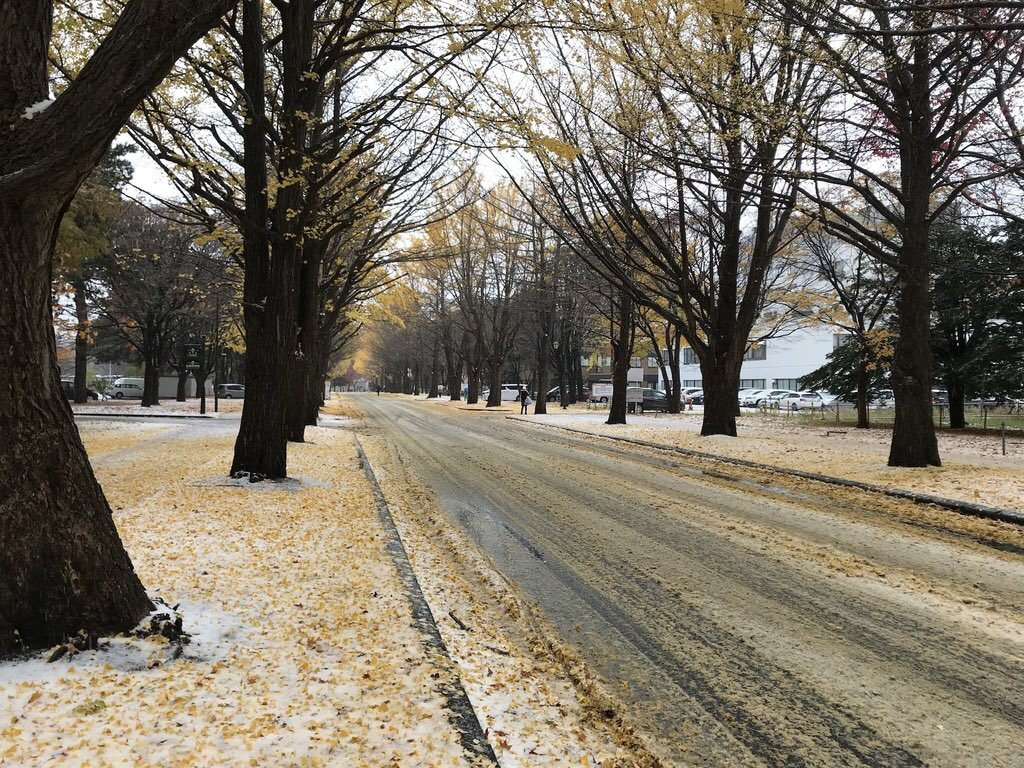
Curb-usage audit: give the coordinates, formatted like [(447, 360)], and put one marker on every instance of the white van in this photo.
[(123, 388), (509, 392)]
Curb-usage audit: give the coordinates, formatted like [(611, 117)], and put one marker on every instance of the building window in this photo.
[(793, 384), (751, 383), (652, 361), (758, 352), (840, 339), (692, 383), (689, 358)]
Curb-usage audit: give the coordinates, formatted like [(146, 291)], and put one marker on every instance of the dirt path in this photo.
[(742, 624)]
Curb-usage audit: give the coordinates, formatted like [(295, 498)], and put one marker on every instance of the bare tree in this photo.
[(670, 152), (860, 303), (914, 124)]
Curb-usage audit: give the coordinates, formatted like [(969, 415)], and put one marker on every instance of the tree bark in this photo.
[(453, 365), (81, 339), (862, 391), (271, 276), (150, 364), (543, 365), (914, 443), (957, 394), (306, 371), (494, 372), (720, 373), (62, 563), (435, 370), (181, 393), (471, 350), (622, 350)]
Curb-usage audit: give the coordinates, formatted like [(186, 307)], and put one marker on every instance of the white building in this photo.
[(775, 363)]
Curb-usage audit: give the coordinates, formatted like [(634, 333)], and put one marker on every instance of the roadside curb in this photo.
[(461, 714), (962, 507)]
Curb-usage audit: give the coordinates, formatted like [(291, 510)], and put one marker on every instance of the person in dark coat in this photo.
[(524, 400)]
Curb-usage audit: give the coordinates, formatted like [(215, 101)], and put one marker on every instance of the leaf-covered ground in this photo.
[(304, 652)]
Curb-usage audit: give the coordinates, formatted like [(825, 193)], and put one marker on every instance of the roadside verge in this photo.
[(984, 511)]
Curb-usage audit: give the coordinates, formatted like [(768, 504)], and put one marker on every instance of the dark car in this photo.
[(654, 400), (69, 390)]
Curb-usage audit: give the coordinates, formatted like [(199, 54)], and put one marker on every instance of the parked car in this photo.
[(553, 395), (126, 387), (692, 397), (753, 398), (69, 390), (794, 401), (654, 400), (231, 391), (773, 397), (883, 399)]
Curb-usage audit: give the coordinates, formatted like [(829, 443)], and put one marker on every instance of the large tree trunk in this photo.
[(721, 378), (863, 421), (914, 443), (957, 393), (435, 371), (471, 350), (494, 372), (269, 290), (543, 366), (913, 436), (453, 365), (81, 339), (62, 563), (675, 395), (315, 397), (306, 370), (622, 350), (181, 394), (150, 365), (62, 566)]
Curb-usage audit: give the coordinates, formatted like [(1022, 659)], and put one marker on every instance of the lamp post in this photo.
[(563, 395)]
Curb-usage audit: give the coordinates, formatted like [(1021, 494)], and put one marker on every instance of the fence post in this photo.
[(1002, 432)]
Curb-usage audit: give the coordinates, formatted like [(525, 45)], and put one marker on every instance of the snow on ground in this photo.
[(305, 651), (303, 648), (167, 407), (973, 470)]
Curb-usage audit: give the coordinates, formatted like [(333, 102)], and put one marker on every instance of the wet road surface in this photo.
[(741, 625)]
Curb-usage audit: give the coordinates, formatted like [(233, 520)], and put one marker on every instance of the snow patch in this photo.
[(35, 109)]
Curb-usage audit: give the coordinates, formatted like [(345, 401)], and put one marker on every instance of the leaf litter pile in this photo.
[(293, 644)]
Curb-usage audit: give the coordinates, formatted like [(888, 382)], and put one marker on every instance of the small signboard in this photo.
[(193, 356)]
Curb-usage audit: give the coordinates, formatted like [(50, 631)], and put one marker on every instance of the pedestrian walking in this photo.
[(378, 390), (524, 400)]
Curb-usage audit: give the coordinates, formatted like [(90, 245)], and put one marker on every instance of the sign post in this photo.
[(193, 363)]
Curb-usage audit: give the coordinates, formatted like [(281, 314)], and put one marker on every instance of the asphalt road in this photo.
[(741, 624)]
